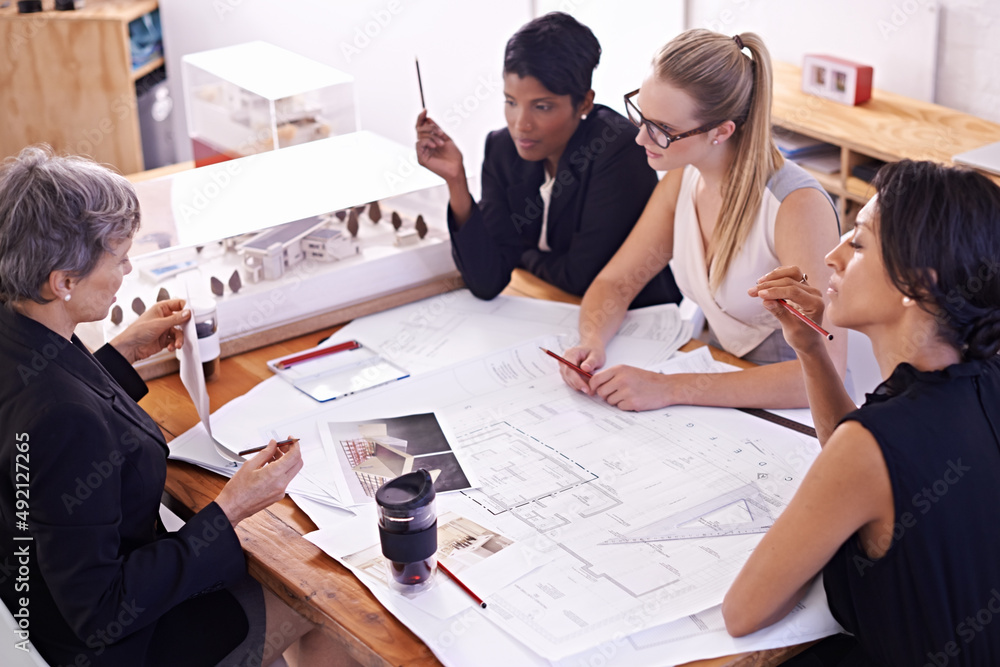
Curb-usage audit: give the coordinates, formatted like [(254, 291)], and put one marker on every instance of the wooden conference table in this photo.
[(297, 571)]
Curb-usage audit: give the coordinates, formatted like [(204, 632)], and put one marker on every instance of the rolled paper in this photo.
[(234, 282), (352, 224), (397, 221), (217, 287), (374, 212), (138, 306), (116, 315), (421, 226), (163, 294)]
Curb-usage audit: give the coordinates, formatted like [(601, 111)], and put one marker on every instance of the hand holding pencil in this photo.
[(261, 481), (799, 306), (436, 151), (578, 365)]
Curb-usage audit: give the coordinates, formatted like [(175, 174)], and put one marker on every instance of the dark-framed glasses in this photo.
[(659, 134)]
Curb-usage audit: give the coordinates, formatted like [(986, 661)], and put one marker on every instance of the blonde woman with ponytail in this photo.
[(729, 210)]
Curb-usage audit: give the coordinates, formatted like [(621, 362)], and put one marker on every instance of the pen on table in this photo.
[(420, 84), (568, 363), (321, 352), (465, 588), (795, 311), (254, 450)]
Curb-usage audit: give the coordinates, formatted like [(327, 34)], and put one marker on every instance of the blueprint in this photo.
[(561, 474), (567, 475), (456, 326)]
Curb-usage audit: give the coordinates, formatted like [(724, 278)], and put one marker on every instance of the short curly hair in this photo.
[(58, 213), (557, 50)]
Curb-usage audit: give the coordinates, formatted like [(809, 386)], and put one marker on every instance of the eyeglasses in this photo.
[(660, 136)]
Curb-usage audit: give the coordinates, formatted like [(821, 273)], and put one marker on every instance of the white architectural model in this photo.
[(269, 254)]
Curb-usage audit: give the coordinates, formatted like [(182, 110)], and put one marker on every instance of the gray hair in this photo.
[(58, 213)]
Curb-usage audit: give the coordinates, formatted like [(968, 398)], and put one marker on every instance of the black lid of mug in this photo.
[(406, 492), (29, 6)]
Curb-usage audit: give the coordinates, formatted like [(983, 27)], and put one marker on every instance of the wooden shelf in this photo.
[(104, 10), (858, 189), (831, 182), (142, 71), (888, 127), (68, 81)]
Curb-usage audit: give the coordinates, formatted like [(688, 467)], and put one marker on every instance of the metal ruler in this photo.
[(696, 522), (779, 420)]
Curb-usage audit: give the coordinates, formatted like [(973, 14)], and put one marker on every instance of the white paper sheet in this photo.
[(472, 636), (566, 472), (192, 376)]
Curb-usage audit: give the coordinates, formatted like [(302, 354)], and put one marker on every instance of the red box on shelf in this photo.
[(836, 79)]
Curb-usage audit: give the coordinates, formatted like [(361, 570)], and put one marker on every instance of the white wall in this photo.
[(460, 45), (629, 33), (896, 37), (969, 57), (958, 66)]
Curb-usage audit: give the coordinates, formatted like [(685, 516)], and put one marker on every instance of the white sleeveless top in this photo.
[(737, 321)]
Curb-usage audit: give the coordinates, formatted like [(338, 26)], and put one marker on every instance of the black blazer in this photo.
[(602, 185), (90, 466)]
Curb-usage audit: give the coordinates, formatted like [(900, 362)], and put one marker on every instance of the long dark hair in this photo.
[(940, 233)]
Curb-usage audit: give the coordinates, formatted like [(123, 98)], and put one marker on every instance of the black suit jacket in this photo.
[(602, 184), (96, 571)]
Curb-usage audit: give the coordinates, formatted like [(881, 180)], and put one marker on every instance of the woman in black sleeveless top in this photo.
[(900, 511)]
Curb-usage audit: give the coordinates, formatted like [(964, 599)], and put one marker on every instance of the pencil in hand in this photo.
[(420, 83), (795, 311), (280, 443), (569, 363)]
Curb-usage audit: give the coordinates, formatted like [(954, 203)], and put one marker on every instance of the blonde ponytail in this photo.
[(727, 84)]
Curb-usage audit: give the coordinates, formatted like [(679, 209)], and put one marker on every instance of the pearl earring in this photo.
[(715, 142), (907, 301), (583, 117), (67, 297)]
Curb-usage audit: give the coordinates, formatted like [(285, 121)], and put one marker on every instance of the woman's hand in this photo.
[(157, 328), (789, 283), (260, 482), (587, 358), (437, 152), (630, 388)]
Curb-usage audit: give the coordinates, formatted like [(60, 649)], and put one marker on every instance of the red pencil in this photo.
[(568, 363), (794, 311), (465, 588), (321, 352)]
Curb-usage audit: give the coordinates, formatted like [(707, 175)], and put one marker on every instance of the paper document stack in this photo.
[(570, 530)]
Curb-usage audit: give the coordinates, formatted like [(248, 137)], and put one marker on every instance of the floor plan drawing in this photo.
[(585, 488)]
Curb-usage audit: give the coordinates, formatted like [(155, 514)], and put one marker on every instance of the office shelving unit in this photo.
[(888, 127), (66, 78)]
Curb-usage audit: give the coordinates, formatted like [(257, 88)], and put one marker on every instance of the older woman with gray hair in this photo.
[(83, 559)]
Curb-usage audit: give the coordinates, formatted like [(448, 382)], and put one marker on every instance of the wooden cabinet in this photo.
[(888, 127), (66, 79)]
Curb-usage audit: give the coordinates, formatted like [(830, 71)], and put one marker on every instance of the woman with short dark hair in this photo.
[(563, 183), (84, 466), (900, 510)]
